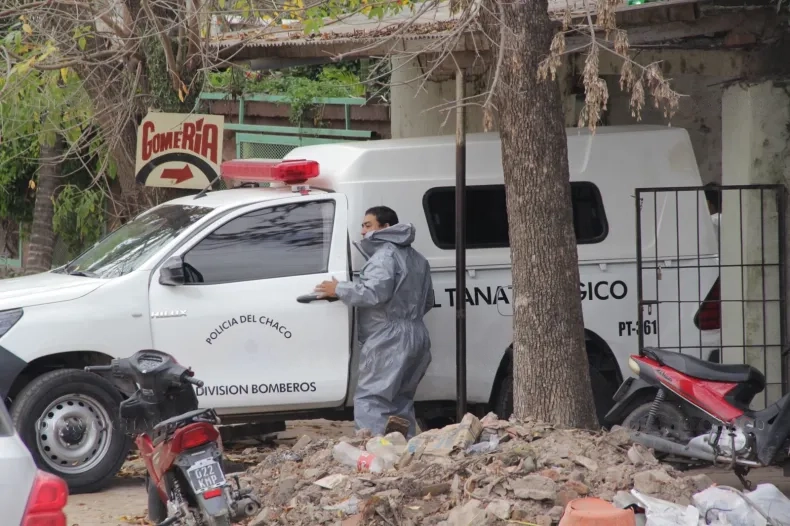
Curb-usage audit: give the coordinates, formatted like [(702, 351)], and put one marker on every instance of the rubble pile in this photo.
[(478, 472)]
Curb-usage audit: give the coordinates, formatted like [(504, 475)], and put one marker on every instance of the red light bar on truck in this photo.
[(291, 171)]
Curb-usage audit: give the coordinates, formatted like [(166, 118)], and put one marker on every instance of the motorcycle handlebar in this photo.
[(194, 381)]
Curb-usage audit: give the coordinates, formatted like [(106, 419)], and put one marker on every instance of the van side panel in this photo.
[(617, 161)]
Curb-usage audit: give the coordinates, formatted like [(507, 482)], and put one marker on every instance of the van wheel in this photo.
[(603, 392), (69, 421)]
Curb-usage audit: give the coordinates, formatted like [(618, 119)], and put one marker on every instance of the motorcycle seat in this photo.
[(185, 417), (704, 370)]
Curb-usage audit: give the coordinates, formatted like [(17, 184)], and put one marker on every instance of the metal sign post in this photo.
[(460, 243)]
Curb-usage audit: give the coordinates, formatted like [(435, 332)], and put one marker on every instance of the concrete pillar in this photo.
[(419, 111), (755, 122)]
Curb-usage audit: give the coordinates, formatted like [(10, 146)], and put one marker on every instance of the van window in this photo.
[(486, 215), (275, 242)]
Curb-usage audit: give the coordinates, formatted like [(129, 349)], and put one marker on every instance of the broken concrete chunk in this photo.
[(499, 509), (470, 514), (266, 516), (578, 487), (302, 443), (314, 473), (700, 482), (535, 487), (651, 482), (586, 462), (332, 481), (640, 456)]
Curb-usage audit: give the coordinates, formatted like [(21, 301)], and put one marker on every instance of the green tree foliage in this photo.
[(301, 86), (79, 217), (18, 164), (38, 104)]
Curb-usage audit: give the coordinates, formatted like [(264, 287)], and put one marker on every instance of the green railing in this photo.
[(274, 142)]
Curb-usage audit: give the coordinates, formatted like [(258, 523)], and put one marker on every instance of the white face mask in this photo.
[(716, 218)]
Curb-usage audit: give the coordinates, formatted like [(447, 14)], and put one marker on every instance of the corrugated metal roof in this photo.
[(433, 24)]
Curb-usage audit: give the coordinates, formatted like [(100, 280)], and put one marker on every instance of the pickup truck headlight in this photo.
[(8, 319)]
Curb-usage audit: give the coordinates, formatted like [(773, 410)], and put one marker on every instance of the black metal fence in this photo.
[(713, 289)]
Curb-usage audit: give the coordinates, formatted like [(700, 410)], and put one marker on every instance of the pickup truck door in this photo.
[(236, 320)]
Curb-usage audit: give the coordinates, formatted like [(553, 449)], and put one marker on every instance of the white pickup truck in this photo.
[(214, 280)]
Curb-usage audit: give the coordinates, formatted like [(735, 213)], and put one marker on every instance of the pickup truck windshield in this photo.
[(128, 247)]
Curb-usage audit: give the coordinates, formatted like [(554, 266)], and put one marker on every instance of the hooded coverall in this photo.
[(393, 293)]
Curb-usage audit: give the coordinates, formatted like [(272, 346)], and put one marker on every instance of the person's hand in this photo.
[(327, 289)]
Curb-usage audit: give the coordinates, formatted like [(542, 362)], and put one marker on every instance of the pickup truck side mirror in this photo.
[(172, 272)]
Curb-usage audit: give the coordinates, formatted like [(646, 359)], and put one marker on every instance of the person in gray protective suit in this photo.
[(393, 293)]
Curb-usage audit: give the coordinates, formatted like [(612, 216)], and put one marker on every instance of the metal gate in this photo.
[(715, 291)]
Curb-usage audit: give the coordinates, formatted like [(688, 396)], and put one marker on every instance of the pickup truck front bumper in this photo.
[(10, 367)]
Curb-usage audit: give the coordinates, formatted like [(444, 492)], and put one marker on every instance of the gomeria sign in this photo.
[(177, 150)]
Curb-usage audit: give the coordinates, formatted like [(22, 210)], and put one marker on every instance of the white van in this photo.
[(214, 280)]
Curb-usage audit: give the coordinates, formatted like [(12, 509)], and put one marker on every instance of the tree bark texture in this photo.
[(111, 86), (42, 237), (551, 378)]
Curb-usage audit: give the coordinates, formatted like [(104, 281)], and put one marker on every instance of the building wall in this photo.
[(699, 113)]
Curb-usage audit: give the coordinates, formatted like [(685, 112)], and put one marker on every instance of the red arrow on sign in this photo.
[(178, 175)]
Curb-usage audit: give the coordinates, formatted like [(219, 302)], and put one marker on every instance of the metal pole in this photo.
[(460, 244)]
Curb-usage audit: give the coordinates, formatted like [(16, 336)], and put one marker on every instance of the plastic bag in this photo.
[(728, 506), (664, 513), (772, 502), (488, 446)]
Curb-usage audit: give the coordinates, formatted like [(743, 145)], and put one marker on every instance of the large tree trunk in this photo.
[(42, 237), (551, 378)]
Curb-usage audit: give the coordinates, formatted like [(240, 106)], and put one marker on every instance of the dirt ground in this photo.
[(124, 502)]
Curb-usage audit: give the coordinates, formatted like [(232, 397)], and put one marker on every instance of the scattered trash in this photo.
[(349, 455), (348, 506), (388, 448), (484, 447), (596, 512), (725, 505), (663, 513), (332, 481), (478, 472)]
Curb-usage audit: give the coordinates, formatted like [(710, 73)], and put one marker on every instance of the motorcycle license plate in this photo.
[(205, 475)]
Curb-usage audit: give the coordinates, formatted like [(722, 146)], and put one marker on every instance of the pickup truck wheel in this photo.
[(69, 421), (603, 392)]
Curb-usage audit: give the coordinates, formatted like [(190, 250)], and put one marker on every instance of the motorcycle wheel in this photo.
[(157, 510), (670, 422)]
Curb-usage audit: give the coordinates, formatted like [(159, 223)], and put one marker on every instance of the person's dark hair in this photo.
[(713, 196), (383, 214)]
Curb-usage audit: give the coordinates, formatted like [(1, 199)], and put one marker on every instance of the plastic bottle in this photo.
[(388, 448), (348, 455)]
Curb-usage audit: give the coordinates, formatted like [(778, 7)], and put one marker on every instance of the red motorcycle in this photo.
[(179, 443), (688, 392)]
